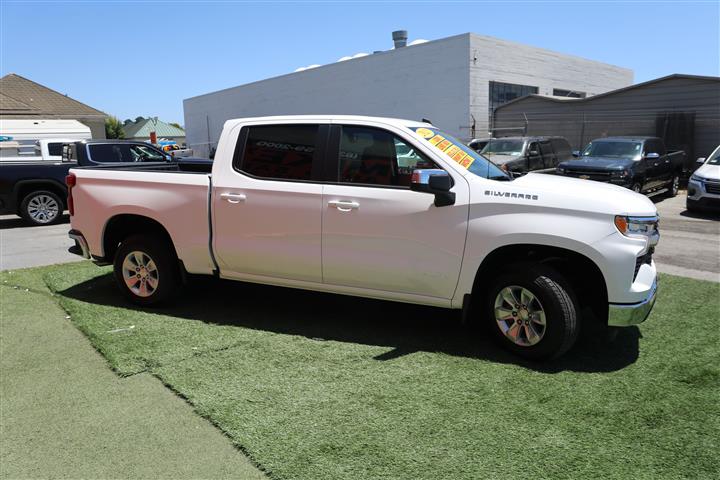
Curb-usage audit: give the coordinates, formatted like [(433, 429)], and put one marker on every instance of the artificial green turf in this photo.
[(322, 386)]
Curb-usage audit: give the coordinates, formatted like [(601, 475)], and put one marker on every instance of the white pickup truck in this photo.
[(380, 208)]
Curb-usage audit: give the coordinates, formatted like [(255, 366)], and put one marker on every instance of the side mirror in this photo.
[(700, 160), (533, 153), (435, 181), (576, 153), (652, 156)]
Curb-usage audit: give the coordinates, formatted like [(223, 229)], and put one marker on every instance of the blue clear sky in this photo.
[(132, 58)]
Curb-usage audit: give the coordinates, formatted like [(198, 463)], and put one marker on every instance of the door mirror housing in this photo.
[(533, 153), (652, 156), (576, 153), (700, 160), (435, 181)]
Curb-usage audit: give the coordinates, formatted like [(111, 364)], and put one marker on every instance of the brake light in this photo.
[(70, 181)]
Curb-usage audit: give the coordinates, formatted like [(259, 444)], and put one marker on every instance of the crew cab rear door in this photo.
[(377, 233), (267, 204)]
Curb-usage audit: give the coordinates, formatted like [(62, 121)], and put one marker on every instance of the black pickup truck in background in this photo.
[(36, 190), (642, 164)]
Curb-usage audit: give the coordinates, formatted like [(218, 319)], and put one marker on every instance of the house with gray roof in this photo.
[(21, 98)]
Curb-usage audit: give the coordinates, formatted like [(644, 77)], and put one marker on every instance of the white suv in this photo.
[(704, 184)]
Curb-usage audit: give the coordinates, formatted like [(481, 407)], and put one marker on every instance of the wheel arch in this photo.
[(23, 188), (121, 226), (581, 272)]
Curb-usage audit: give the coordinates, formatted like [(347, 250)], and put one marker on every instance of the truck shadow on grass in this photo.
[(405, 328)]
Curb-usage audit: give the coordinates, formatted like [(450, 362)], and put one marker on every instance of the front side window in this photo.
[(283, 152), (144, 153), (376, 157)]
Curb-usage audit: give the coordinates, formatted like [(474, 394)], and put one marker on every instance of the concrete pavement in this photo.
[(28, 246), (689, 242), (65, 414)]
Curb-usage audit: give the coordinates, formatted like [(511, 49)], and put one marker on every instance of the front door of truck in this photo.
[(377, 233), (266, 206)]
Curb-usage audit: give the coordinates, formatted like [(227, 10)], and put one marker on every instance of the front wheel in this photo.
[(146, 270), (636, 187), (532, 312)]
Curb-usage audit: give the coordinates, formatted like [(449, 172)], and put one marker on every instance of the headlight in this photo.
[(639, 227), (695, 178), (620, 174)]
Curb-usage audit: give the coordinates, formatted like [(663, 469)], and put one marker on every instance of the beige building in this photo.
[(21, 98)]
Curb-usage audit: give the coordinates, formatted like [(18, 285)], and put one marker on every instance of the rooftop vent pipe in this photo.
[(400, 38)]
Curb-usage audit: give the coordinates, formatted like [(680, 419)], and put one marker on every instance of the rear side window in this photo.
[(109, 153), (55, 149), (283, 152), (561, 147)]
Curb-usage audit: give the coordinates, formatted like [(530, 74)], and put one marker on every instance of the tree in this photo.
[(113, 128), (127, 121), (176, 125), (139, 119)]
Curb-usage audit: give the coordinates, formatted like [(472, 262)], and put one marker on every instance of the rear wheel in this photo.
[(636, 187), (41, 208), (146, 270), (531, 312)]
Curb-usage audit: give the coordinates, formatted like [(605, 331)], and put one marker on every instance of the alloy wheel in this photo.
[(520, 316), (43, 208), (140, 273)]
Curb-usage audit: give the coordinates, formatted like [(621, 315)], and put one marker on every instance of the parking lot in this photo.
[(689, 246)]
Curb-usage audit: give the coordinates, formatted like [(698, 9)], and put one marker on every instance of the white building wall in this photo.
[(492, 59), (430, 80), (446, 81)]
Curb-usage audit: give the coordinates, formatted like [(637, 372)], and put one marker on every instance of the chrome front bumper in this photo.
[(622, 315), (81, 247)]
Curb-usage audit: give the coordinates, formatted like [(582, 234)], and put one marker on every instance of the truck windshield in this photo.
[(629, 150), (461, 154), (503, 147)]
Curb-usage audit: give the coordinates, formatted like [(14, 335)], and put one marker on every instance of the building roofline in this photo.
[(543, 49), (327, 65), (611, 92), (99, 112)]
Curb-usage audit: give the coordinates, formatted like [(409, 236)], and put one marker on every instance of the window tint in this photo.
[(145, 153), (546, 149), (55, 149), (561, 147), (376, 157), (280, 151), (109, 153), (654, 146)]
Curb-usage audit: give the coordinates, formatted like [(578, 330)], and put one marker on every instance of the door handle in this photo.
[(344, 206), (233, 197)]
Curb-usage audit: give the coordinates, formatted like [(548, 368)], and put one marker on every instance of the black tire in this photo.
[(42, 207), (636, 187), (165, 275), (556, 301), (674, 186)]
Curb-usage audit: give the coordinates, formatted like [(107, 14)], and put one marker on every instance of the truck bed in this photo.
[(174, 195)]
